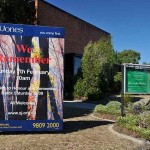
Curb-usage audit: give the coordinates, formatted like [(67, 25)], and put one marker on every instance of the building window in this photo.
[(77, 64)]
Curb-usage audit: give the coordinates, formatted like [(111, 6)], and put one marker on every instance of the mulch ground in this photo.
[(81, 132), (106, 116)]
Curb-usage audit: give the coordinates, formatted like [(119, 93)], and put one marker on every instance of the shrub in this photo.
[(130, 109), (114, 105), (97, 69), (79, 89), (144, 120), (128, 121), (137, 124), (145, 134), (117, 82), (100, 109), (127, 100), (112, 108)]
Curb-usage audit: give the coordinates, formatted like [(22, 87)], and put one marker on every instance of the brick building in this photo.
[(77, 35)]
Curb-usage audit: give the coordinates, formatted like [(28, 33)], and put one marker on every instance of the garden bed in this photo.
[(125, 131), (136, 122), (106, 116)]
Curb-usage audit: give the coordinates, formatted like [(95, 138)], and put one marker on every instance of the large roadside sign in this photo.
[(31, 78), (136, 79)]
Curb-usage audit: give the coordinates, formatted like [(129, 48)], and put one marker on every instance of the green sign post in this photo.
[(135, 80)]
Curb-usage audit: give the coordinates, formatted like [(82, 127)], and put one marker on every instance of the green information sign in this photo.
[(137, 79)]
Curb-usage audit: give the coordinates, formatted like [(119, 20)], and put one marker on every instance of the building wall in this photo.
[(77, 32)]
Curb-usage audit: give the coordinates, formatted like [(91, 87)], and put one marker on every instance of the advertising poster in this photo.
[(31, 78)]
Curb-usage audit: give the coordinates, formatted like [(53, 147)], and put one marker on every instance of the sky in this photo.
[(128, 21)]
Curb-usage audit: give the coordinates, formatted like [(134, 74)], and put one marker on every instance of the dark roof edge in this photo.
[(74, 16)]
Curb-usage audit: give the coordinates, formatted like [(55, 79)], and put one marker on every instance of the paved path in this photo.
[(79, 104)]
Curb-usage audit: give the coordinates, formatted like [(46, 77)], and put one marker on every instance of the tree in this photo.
[(97, 70), (128, 56), (17, 11), (146, 63)]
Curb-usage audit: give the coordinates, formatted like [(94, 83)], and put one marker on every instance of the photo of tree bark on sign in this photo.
[(31, 78)]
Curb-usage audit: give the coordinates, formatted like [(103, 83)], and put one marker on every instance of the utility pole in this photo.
[(122, 89)]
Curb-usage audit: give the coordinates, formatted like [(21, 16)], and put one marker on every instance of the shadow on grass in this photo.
[(78, 125), (69, 125), (75, 126), (75, 112)]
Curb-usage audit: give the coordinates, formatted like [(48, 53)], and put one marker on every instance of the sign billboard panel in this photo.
[(31, 78), (137, 79)]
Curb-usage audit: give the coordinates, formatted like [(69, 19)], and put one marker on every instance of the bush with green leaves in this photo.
[(137, 124), (128, 121), (100, 109), (128, 99), (117, 82), (97, 70), (114, 105), (128, 56), (112, 108), (144, 120), (79, 89), (145, 133)]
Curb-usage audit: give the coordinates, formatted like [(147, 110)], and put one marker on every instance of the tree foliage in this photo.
[(17, 11), (97, 69), (128, 56), (146, 63)]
